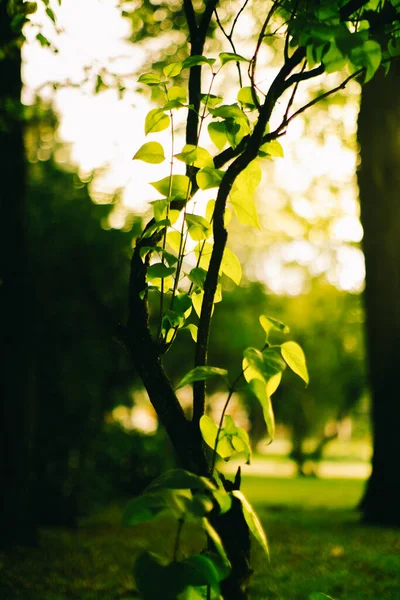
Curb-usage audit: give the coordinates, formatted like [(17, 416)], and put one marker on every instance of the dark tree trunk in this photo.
[(379, 183), (17, 380)]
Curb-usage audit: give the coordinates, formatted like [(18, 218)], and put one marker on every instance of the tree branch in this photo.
[(146, 358)]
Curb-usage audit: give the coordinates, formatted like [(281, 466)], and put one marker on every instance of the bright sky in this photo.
[(316, 178)]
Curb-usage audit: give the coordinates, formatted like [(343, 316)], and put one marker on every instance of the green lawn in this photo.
[(316, 544)]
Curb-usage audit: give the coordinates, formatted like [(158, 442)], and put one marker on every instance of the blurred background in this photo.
[(97, 436), (79, 434)]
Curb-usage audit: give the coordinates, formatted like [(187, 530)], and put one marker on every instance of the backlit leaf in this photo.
[(268, 323), (217, 133), (173, 69), (245, 97), (242, 194), (156, 120), (149, 79), (231, 266), (195, 60), (226, 57), (199, 228), (159, 271), (252, 520), (196, 156), (209, 178), (193, 331), (295, 359), (177, 186), (259, 389), (272, 148), (151, 152), (176, 93), (201, 374)]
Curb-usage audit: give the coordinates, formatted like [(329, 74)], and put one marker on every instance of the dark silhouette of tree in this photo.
[(379, 183), (18, 343)]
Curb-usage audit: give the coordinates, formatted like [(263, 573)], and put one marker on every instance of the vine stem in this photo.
[(167, 215), (221, 420), (231, 392)]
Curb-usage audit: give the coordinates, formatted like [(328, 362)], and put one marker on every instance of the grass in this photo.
[(316, 544)]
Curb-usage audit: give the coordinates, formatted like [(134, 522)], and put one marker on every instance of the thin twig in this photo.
[(298, 112)]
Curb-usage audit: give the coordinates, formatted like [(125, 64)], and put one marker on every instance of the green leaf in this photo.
[(209, 178), (151, 152), (182, 303), (231, 266), (198, 227), (252, 520), (159, 271), (160, 209), (230, 111), (244, 438), (210, 213), (210, 100), (231, 439), (241, 196), (43, 41), (262, 365), (319, 596), (200, 570), (193, 593), (203, 252), (50, 14), (368, 55), (156, 227), (196, 60), (156, 120), (201, 374), (173, 69), (260, 390), (198, 276), (333, 60), (176, 93), (211, 532), (209, 431), (223, 499), (295, 359), (268, 323), (273, 383), (193, 331), (197, 300), (174, 239), (272, 148), (179, 479), (196, 156), (245, 97), (177, 187), (172, 320), (144, 508), (149, 79), (226, 57), (217, 133)]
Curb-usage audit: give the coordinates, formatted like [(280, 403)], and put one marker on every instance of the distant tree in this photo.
[(379, 183), (81, 369), (18, 343)]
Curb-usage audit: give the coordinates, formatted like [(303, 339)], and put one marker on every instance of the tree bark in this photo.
[(16, 304), (379, 183)]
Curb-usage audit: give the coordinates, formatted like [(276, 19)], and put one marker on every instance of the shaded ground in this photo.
[(315, 539)]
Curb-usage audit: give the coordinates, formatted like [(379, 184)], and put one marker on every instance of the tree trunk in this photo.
[(16, 304), (379, 183)]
